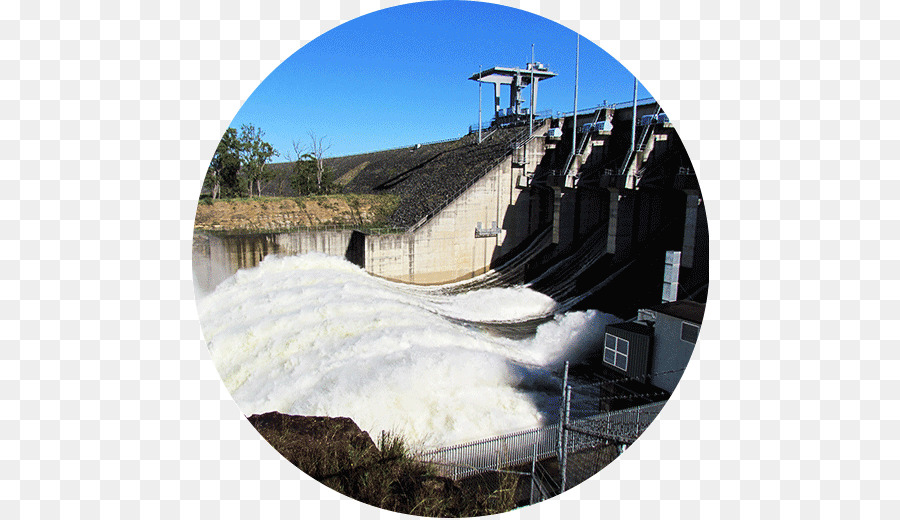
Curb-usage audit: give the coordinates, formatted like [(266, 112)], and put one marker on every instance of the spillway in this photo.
[(316, 335)]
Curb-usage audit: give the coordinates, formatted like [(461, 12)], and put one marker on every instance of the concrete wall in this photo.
[(335, 243), (442, 250), (218, 256), (445, 248)]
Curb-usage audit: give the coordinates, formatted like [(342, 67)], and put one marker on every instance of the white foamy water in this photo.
[(316, 335)]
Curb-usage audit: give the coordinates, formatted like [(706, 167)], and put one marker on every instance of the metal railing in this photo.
[(543, 484), (278, 230), (512, 449), (406, 147), (313, 228), (503, 451), (581, 146), (629, 104), (614, 106), (540, 114), (349, 226), (636, 148), (622, 426)]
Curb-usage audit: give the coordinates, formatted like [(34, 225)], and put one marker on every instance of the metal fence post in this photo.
[(565, 443), (559, 436), (533, 473)]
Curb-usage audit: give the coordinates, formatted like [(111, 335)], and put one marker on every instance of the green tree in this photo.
[(303, 172), (222, 173), (255, 154), (303, 176), (309, 173)]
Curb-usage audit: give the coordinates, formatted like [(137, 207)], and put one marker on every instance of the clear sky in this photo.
[(399, 76)]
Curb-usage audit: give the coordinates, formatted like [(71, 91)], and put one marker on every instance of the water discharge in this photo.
[(317, 335)]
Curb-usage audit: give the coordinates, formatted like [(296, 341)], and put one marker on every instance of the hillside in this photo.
[(422, 177), (337, 453), (281, 214)]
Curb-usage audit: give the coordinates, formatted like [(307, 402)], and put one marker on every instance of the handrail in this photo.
[(632, 153), (581, 145), (628, 104), (398, 148), (540, 114), (614, 106)]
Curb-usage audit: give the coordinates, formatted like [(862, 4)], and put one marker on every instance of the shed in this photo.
[(676, 326), (626, 348)]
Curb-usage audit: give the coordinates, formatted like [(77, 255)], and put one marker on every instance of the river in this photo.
[(316, 335)]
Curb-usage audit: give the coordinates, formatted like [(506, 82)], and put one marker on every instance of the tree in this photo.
[(303, 172), (317, 151), (309, 173), (222, 172), (254, 153)]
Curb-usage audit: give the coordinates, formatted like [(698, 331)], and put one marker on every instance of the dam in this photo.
[(582, 207), (534, 241)]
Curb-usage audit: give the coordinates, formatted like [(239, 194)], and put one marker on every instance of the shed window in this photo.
[(615, 352), (689, 332)]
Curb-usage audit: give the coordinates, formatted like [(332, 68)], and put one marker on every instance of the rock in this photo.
[(316, 445)]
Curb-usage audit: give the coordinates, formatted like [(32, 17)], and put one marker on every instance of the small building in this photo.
[(626, 347), (517, 79), (657, 345)]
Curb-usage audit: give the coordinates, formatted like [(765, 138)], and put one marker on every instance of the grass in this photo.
[(395, 480), (385, 474)]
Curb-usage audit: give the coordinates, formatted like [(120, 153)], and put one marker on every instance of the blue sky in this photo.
[(399, 76)]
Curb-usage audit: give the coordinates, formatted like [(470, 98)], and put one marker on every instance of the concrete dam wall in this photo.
[(217, 256), (609, 211)]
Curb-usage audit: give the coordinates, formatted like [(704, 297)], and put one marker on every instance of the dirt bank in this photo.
[(280, 213)]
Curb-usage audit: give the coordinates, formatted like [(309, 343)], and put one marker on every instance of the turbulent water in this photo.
[(316, 335)]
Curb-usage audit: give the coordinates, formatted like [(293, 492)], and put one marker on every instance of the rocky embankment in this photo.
[(271, 214), (423, 177), (337, 453)]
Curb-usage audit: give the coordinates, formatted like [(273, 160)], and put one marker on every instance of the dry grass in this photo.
[(285, 213), (386, 475)]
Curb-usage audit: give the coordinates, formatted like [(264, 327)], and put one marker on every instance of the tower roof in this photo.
[(505, 75)]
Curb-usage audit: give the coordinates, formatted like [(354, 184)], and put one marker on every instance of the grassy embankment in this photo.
[(273, 214), (387, 475), (393, 479)]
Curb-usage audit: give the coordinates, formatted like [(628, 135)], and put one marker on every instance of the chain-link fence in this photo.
[(555, 457)]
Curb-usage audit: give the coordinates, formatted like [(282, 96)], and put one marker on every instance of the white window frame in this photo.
[(619, 351)]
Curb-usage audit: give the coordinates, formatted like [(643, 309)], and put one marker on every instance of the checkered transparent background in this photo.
[(110, 406)]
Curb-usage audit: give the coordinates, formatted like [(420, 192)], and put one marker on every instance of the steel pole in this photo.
[(634, 117), (479, 105), (565, 452), (562, 401), (531, 108), (575, 112)]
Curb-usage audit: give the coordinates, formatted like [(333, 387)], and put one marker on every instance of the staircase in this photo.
[(578, 152), (640, 147)]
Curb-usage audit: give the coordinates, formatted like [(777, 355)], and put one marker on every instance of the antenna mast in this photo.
[(575, 113), (531, 108), (479, 109)]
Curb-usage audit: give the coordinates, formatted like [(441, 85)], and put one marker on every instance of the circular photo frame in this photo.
[(451, 259)]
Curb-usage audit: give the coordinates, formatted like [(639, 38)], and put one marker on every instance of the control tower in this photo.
[(517, 79)]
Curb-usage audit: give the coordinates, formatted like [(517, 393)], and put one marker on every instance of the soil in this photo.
[(314, 444), (281, 214)]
